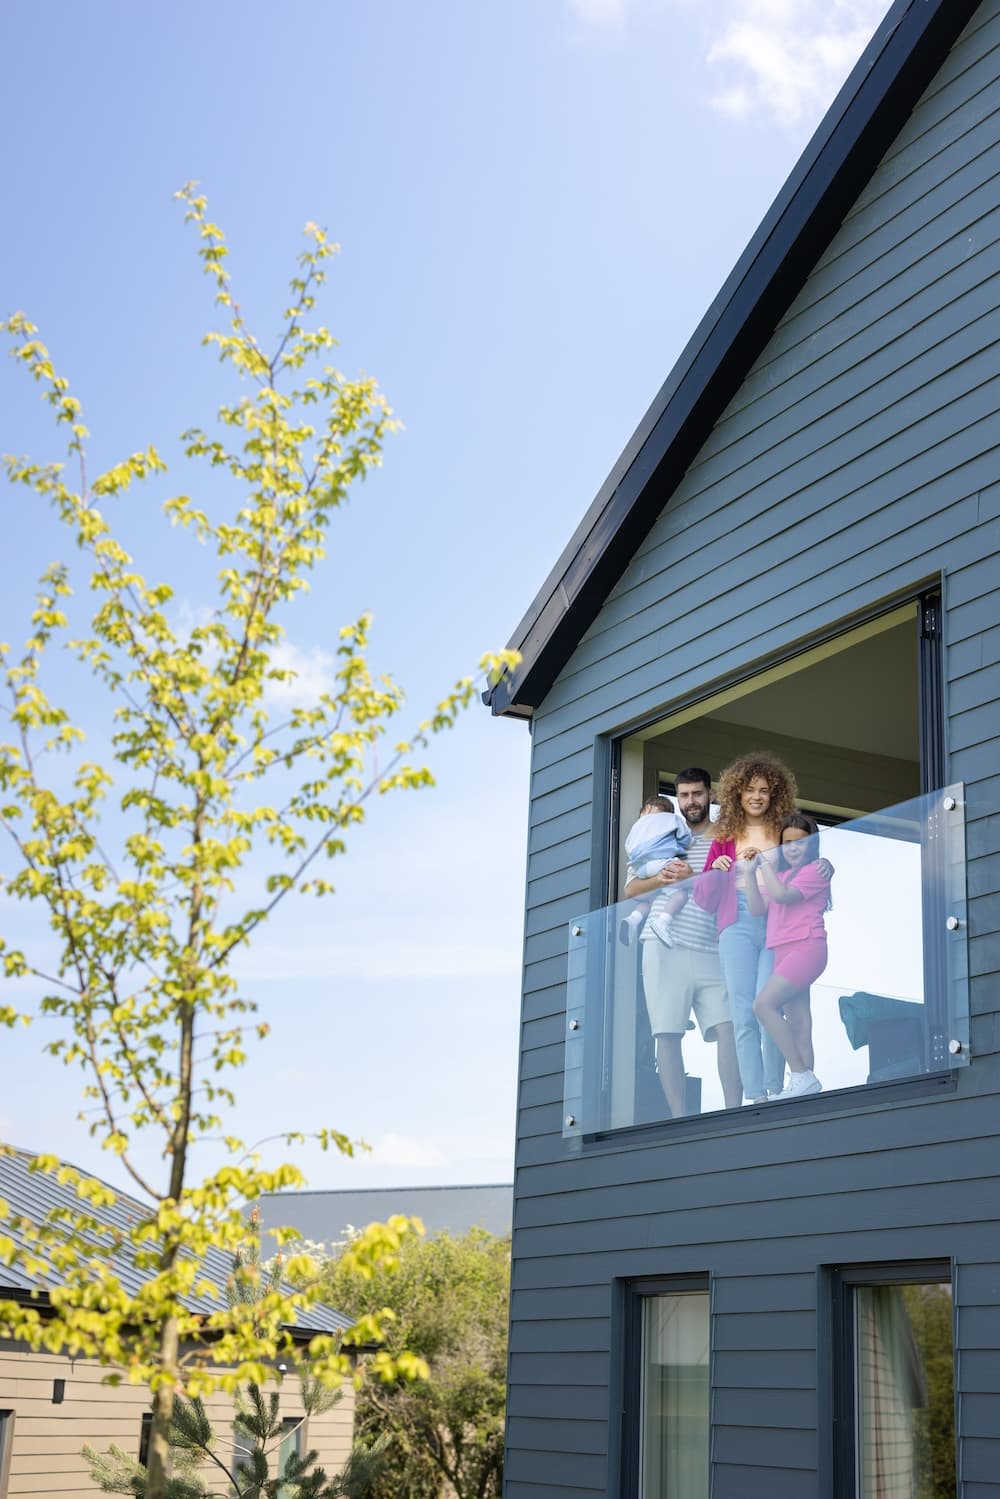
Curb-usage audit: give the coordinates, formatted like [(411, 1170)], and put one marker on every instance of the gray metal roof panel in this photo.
[(34, 1194), (323, 1217)]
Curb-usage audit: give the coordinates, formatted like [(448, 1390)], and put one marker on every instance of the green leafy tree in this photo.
[(205, 785), (450, 1297), (931, 1314)]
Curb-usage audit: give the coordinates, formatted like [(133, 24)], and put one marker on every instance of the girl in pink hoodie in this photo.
[(795, 891)]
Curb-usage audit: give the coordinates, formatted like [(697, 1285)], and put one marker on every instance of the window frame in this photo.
[(8, 1417), (145, 1432), (631, 1297), (291, 1427), (243, 1449), (927, 597), (845, 1280)]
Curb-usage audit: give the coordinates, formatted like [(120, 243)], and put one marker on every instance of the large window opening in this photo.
[(653, 1034), (845, 716)]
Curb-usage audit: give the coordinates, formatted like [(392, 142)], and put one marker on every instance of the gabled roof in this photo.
[(868, 113), (34, 1194)]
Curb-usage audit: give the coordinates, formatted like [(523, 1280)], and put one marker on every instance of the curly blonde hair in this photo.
[(734, 781)]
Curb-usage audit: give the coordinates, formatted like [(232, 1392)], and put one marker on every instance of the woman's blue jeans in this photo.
[(746, 968)]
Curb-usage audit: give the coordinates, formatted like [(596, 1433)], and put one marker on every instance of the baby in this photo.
[(656, 837)]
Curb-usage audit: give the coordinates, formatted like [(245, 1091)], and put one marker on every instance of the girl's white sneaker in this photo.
[(799, 1085)]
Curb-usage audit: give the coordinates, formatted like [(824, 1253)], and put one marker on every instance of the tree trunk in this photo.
[(158, 1459)]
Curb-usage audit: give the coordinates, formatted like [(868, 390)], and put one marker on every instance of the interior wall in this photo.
[(632, 794), (853, 781), (844, 717)]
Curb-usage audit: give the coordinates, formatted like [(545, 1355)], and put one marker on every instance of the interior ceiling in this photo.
[(864, 698)]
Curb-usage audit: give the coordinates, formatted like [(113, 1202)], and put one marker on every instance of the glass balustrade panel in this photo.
[(865, 924)]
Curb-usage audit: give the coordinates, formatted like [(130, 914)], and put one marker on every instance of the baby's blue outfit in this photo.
[(654, 840)]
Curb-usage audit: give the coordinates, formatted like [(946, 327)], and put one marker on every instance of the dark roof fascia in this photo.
[(868, 113), (42, 1301)]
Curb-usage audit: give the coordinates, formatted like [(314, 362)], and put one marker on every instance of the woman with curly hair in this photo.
[(756, 795)]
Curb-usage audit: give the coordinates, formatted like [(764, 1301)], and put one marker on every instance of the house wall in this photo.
[(859, 459), (48, 1439)]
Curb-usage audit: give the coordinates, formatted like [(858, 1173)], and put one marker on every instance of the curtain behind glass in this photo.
[(674, 1436), (906, 1392)]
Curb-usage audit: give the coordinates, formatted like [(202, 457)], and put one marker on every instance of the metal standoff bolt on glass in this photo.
[(949, 804), (570, 1120), (952, 923), (578, 931), (955, 1047), (574, 1025)]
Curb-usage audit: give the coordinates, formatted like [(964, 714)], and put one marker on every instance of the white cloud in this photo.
[(314, 674), (401, 1150), (314, 668), (787, 58), (188, 616), (781, 59)]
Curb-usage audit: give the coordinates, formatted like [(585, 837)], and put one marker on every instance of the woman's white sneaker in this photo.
[(800, 1084)]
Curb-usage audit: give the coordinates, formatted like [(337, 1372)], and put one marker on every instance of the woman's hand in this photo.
[(723, 862), (749, 854)]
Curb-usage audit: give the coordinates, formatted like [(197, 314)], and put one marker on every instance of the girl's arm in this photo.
[(784, 894)]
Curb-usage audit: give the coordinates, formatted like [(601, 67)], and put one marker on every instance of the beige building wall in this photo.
[(48, 1439)]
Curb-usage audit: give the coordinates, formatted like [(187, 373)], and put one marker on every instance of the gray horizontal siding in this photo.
[(744, 1482), (577, 1301), (717, 1226), (778, 1185), (536, 1434), (580, 1335), (752, 1407), (858, 460), (969, 1119), (782, 1256), (558, 1402)]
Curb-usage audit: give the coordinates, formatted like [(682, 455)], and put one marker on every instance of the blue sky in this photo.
[(536, 200)]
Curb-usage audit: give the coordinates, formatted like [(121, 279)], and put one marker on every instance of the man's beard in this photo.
[(697, 815)]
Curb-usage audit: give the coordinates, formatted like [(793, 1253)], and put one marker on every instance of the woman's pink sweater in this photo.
[(715, 890)]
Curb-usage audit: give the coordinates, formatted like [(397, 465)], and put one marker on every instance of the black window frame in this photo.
[(844, 1281), (7, 1419), (605, 835), (627, 1377)]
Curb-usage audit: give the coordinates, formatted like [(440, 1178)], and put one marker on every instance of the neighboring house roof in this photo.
[(868, 113), (34, 1194), (323, 1217)]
